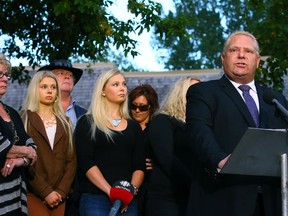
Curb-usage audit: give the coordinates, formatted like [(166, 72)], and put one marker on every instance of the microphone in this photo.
[(121, 193), (270, 98)]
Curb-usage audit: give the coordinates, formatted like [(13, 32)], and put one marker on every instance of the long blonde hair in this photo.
[(174, 103), (98, 107), (32, 103)]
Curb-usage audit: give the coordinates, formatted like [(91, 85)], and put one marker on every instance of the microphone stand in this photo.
[(115, 208), (284, 184)]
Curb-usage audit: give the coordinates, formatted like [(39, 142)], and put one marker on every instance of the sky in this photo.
[(147, 59)]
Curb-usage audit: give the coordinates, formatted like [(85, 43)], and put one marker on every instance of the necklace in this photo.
[(116, 122), (49, 122), (16, 137)]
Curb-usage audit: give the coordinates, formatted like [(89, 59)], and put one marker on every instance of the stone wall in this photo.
[(82, 93)]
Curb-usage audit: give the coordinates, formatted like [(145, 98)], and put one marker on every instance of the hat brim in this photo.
[(77, 73)]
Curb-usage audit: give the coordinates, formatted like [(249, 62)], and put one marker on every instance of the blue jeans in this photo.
[(100, 205)]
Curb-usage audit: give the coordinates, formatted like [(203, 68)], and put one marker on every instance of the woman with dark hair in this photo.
[(143, 103)]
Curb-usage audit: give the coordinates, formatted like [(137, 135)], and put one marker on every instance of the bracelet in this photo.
[(26, 162), (135, 189)]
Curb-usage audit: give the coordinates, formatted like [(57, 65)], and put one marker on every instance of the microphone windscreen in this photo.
[(123, 191), (268, 97)]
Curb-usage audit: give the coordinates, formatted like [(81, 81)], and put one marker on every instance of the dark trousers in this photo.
[(157, 207)]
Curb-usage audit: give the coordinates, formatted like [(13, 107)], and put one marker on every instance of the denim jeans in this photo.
[(100, 205)]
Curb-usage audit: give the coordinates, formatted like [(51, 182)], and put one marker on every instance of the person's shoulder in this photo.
[(80, 107), (11, 110), (79, 110), (210, 84), (132, 122), (170, 118), (265, 89), (161, 117), (83, 122), (85, 117)]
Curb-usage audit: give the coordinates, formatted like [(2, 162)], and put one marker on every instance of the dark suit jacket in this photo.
[(79, 110), (217, 117)]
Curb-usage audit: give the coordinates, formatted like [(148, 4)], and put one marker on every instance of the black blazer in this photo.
[(217, 117), (79, 110)]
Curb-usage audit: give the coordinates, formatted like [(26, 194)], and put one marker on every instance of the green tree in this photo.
[(62, 29), (272, 33), (193, 36)]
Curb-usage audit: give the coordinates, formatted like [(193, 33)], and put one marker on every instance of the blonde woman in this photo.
[(170, 180), (109, 147), (17, 152), (51, 177)]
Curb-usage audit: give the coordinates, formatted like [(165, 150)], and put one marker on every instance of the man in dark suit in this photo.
[(217, 117)]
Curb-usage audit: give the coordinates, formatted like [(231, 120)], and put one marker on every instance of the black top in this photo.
[(170, 178), (148, 151), (12, 186), (116, 160), (7, 131)]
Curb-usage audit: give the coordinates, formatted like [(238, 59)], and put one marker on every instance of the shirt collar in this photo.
[(251, 84)]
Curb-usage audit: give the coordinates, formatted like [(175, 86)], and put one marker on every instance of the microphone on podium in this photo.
[(270, 98), (121, 193)]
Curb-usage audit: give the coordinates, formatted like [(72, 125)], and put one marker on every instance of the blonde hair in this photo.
[(174, 103), (4, 61), (32, 102), (98, 107)]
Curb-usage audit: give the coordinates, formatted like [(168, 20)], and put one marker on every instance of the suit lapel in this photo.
[(36, 122), (59, 132), (234, 95)]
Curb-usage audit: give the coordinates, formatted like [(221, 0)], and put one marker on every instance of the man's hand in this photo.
[(223, 162)]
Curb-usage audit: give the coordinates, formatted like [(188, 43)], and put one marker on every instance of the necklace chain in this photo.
[(116, 122), (49, 122), (16, 137)]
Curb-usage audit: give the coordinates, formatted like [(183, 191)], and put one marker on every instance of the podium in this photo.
[(261, 152)]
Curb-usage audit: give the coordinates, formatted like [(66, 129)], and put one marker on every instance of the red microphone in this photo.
[(121, 193)]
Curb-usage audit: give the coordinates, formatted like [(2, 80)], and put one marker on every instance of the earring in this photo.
[(103, 94), (56, 99)]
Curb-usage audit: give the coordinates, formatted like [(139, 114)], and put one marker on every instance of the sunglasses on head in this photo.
[(141, 108)]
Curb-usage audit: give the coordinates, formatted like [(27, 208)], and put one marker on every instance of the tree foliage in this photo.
[(194, 34), (59, 29)]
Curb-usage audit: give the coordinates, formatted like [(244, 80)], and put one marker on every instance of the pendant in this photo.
[(116, 122)]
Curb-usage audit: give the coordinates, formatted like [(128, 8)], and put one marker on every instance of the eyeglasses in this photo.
[(141, 108), (2, 74)]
